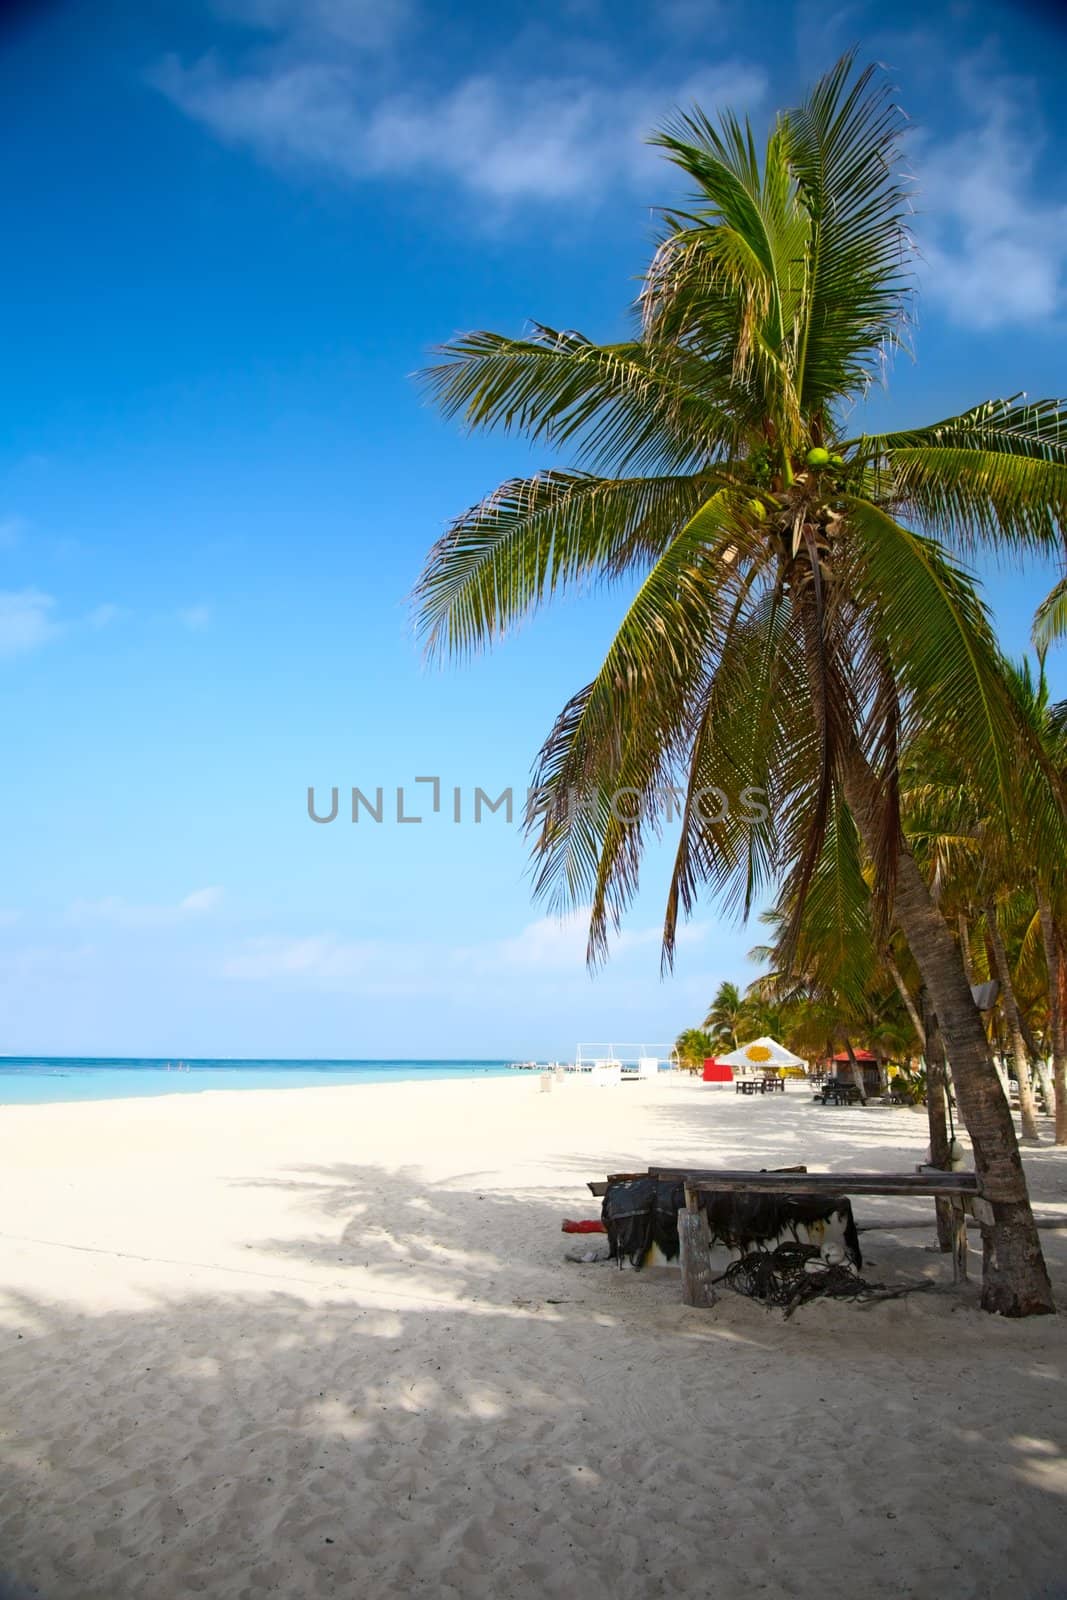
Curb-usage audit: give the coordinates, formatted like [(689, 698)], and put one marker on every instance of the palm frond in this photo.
[(535, 537), (843, 144), (939, 639), (833, 943), (1050, 618), (996, 472), (624, 733), (755, 737), (725, 280), (621, 409), (1033, 429), (937, 633)]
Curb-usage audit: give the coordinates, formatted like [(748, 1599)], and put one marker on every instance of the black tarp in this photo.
[(640, 1212)]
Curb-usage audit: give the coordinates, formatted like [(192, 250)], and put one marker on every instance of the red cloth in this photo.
[(584, 1227)]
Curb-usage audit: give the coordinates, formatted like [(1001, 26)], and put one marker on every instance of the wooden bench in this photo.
[(770, 1083), (836, 1093), (959, 1188)]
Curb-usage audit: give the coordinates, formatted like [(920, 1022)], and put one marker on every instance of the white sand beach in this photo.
[(325, 1342)]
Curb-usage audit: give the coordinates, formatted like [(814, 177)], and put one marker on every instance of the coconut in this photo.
[(837, 461), (818, 457), (756, 509)]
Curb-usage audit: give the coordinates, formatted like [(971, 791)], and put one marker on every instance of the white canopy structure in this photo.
[(762, 1054)]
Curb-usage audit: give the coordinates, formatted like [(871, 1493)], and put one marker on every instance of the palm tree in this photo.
[(1056, 969), (1049, 724), (1007, 905), (796, 618), (761, 1017), (693, 1046), (727, 1014), (832, 992), (1002, 966)]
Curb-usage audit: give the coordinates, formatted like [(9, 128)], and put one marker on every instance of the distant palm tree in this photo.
[(693, 1046), (1048, 721), (796, 618), (727, 1014), (1008, 907), (762, 1017)]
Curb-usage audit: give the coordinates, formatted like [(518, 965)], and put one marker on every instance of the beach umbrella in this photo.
[(763, 1053)]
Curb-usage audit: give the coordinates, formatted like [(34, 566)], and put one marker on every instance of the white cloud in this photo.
[(547, 947), (104, 615), (126, 914), (26, 621), (547, 944), (536, 138), (195, 618), (202, 900), (994, 244), (699, 21), (559, 944), (363, 24)]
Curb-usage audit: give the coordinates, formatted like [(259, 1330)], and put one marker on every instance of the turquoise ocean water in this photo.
[(44, 1080)]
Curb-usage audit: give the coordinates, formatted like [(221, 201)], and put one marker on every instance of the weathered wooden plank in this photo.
[(944, 1183), (694, 1241), (693, 1174), (797, 1180), (931, 1192), (787, 1180), (961, 1180), (599, 1186)]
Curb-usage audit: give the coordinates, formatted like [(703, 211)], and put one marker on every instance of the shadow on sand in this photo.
[(416, 1416)]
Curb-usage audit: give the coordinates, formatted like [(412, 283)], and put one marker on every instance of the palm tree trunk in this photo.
[(1015, 1280), (909, 1004), (1040, 1066), (1057, 1013), (857, 1073), (1032, 1052), (883, 1070), (1061, 1077), (996, 1028), (937, 1121), (1027, 1108), (964, 932)]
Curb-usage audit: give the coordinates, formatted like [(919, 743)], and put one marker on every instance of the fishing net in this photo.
[(793, 1274)]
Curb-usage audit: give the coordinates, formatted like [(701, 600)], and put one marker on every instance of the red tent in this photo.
[(717, 1071), (867, 1064)]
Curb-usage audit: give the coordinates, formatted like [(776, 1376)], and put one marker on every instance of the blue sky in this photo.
[(234, 230)]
